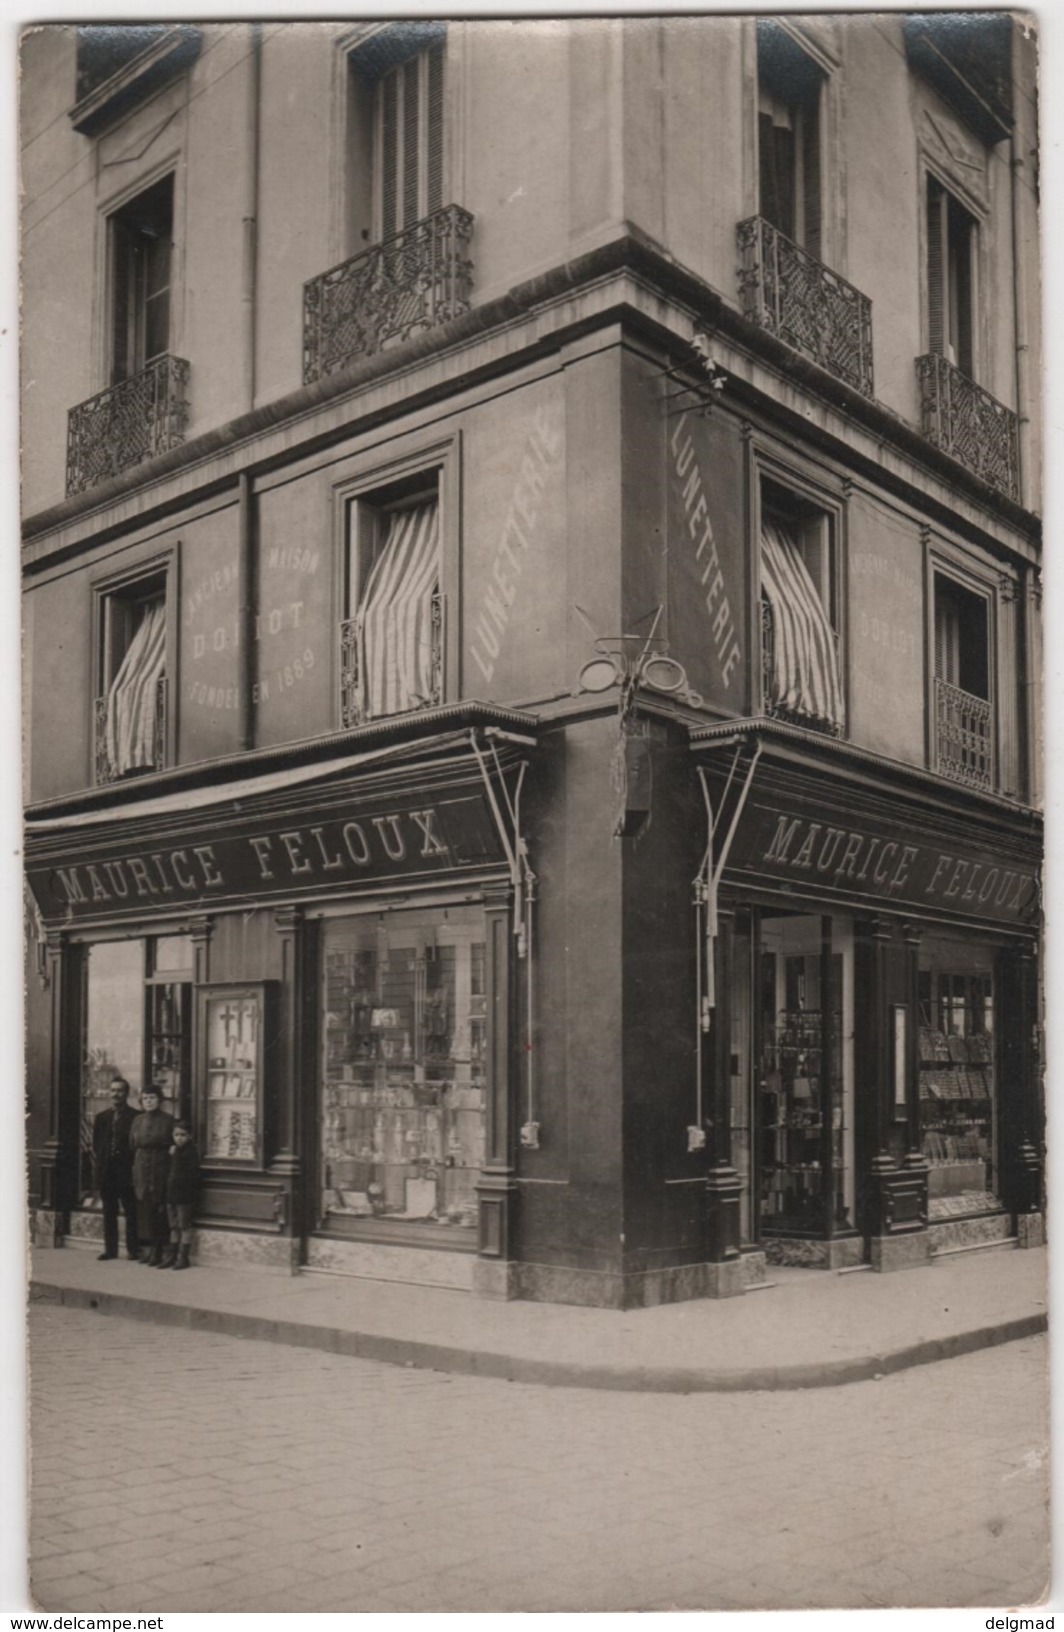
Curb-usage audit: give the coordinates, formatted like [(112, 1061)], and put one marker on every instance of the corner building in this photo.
[(531, 566)]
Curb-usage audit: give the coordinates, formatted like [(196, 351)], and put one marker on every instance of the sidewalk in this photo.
[(809, 1329)]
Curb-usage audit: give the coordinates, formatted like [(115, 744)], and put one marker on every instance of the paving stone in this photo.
[(318, 1483)]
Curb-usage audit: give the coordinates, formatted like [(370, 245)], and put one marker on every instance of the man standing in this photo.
[(112, 1160)]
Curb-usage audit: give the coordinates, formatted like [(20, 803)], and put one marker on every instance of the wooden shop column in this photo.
[(494, 1275), (895, 1192), (285, 1165), (1020, 1115), (59, 1161), (723, 1185)]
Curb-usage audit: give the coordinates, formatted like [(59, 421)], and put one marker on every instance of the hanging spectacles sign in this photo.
[(664, 674), (600, 674)]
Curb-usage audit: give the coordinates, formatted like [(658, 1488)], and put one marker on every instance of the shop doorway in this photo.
[(137, 1024), (404, 1054), (801, 1105)]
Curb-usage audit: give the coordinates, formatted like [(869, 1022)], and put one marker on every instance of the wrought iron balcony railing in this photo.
[(412, 282), (964, 736), (132, 421), (352, 709), (962, 419), (789, 292), (106, 770)]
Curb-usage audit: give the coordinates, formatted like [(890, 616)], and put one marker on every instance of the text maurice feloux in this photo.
[(298, 852)]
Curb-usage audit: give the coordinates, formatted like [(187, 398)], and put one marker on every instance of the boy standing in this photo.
[(182, 1182)]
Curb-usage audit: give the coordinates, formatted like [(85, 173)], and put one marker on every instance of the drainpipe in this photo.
[(1019, 321), (249, 269)]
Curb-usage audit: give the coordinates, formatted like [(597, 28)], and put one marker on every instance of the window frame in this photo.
[(821, 52), (367, 59), (948, 561), (952, 198), (109, 586), (361, 495), (105, 292), (130, 268), (812, 491)]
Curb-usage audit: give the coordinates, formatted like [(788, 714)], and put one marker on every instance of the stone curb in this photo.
[(400, 1351)]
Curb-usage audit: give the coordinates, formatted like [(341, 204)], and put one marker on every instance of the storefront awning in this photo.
[(442, 806), (832, 824)]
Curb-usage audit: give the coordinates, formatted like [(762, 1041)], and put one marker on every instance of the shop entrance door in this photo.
[(803, 1104)]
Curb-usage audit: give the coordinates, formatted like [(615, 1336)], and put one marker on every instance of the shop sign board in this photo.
[(707, 614), (808, 845), (233, 858)]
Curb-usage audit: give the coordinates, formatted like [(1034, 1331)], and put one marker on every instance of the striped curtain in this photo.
[(131, 722), (804, 676), (394, 634)]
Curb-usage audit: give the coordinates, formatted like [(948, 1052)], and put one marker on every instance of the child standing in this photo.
[(182, 1182)]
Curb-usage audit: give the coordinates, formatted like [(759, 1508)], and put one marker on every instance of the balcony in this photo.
[(405, 286), (353, 710), (965, 421), (964, 736), (133, 421), (794, 296), (106, 770)]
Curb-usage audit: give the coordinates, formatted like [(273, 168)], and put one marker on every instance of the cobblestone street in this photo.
[(180, 1471)]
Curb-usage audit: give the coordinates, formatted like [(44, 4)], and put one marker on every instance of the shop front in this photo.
[(872, 1012), (316, 965)]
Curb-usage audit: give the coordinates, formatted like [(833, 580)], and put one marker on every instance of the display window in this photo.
[(403, 1063), (804, 1107), (958, 1088), (136, 1025)]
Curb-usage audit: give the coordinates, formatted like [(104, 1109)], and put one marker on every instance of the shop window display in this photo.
[(404, 1043), (957, 1090), (237, 1032)]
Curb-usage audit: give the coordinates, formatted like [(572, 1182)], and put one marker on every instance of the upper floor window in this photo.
[(409, 142), (395, 130), (963, 713), (131, 678), (141, 247), (789, 89), (800, 611), (392, 636), (951, 241)]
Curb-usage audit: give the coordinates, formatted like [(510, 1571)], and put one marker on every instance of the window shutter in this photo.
[(811, 176), (435, 130), (936, 268), (411, 146), (962, 244), (940, 639), (121, 301), (389, 136)]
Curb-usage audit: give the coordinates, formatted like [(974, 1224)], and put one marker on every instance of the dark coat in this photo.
[(150, 1139), (182, 1179), (112, 1169)]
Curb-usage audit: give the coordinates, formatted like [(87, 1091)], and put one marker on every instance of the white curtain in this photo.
[(804, 679), (131, 722), (394, 632)]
